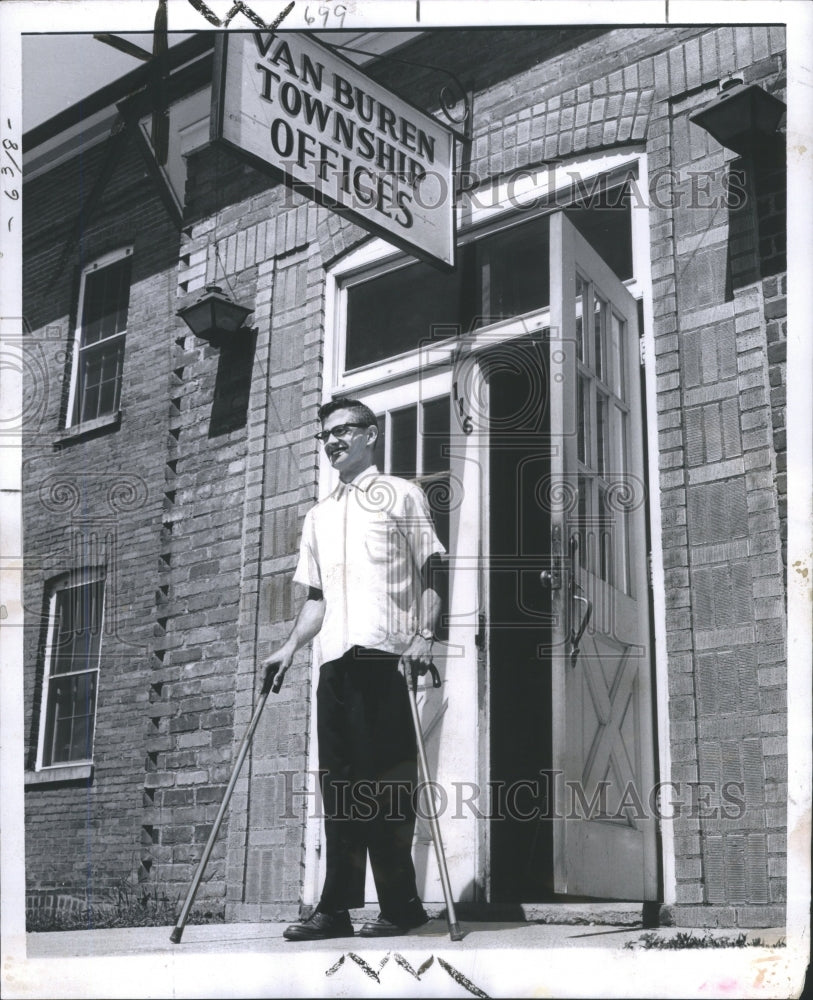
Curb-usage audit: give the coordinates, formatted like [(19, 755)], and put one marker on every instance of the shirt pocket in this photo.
[(380, 538)]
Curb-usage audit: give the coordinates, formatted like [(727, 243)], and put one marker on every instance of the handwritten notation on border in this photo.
[(328, 15), (11, 169)]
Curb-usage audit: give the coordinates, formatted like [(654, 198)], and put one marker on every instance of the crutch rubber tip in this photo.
[(175, 936), (455, 933)]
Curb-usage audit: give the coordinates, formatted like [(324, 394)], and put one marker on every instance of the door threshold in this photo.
[(603, 913)]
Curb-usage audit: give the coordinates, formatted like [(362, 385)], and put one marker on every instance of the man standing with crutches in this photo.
[(366, 557)]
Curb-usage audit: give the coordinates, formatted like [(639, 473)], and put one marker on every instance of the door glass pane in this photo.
[(403, 432), (617, 493), (583, 417), (583, 522), (601, 433), (618, 361), (581, 295), (599, 319), (623, 514), (605, 537)]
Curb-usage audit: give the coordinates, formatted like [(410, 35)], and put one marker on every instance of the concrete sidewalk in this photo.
[(504, 959), (267, 938)]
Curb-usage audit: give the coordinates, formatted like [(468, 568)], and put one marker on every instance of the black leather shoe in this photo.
[(320, 927), (387, 928)]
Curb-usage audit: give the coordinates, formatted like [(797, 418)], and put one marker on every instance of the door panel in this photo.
[(604, 835)]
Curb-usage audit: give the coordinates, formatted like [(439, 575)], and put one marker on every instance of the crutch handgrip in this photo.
[(433, 670)]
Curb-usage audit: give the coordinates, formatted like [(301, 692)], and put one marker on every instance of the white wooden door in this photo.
[(604, 831)]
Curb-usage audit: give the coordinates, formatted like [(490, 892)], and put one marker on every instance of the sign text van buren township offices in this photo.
[(295, 105), (582, 363)]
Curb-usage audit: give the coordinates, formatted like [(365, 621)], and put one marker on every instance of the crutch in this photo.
[(454, 928), (175, 936)]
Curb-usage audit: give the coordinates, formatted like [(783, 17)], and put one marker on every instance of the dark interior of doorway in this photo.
[(521, 855)]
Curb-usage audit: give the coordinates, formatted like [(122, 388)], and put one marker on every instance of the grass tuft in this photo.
[(121, 905), (686, 939)]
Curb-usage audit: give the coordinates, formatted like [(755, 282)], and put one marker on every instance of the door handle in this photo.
[(576, 594), (576, 634)]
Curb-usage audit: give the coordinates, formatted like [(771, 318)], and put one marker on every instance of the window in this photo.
[(414, 443), (104, 297), (76, 604), (500, 274), (398, 310)]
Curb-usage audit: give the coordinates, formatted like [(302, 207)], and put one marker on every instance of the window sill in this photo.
[(59, 775), (88, 427)]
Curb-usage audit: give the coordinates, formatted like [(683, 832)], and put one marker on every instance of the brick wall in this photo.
[(94, 500), (771, 205), (724, 575)]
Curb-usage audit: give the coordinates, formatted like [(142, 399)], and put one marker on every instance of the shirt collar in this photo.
[(363, 481)]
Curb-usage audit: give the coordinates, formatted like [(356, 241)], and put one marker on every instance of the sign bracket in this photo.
[(454, 100)]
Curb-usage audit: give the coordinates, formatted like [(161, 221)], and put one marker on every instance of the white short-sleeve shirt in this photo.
[(363, 547)]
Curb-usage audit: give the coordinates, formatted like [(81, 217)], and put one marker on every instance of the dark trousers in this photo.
[(368, 760)]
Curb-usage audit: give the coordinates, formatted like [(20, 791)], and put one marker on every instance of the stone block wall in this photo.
[(719, 490)]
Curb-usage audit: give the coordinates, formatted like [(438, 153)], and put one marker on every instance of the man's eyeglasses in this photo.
[(339, 431)]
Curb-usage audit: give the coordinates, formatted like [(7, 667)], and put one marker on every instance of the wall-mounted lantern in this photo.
[(741, 117), (214, 316)]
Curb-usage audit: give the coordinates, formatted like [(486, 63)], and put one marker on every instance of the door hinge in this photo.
[(642, 351)]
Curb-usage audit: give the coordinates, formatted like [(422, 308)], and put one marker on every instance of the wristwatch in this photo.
[(427, 633)]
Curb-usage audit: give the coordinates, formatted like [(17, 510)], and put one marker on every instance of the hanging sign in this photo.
[(295, 108)]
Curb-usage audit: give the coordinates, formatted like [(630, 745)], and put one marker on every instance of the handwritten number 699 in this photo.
[(324, 13)]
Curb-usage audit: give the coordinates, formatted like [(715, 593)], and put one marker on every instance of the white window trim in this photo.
[(77, 578), (104, 261), (526, 187), (499, 203)]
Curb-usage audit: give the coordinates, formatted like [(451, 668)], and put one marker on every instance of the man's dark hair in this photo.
[(360, 412)]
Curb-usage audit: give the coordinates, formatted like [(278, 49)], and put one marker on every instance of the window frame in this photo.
[(73, 419), (68, 581), (532, 193)]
